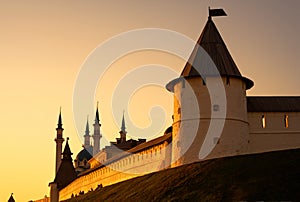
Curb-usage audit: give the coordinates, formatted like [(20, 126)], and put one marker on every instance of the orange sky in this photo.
[(45, 43)]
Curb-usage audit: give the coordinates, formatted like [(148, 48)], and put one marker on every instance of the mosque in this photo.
[(206, 124)]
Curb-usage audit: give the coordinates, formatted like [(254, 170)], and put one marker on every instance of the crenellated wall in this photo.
[(133, 163)]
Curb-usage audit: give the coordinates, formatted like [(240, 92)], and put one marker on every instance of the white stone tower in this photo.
[(59, 141), (210, 109), (97, 135)]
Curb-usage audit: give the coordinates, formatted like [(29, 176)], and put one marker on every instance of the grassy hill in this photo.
[(267, 176)]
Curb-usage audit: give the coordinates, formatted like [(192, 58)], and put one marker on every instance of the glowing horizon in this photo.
[(44, 45)]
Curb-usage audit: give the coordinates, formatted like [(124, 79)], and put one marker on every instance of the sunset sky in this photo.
[(44, 45)]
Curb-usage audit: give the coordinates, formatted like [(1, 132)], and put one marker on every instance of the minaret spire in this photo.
[(87, 128), (97, 135), (59, 141), (97, 120), (87, 135), (123, 130), (59, 124), (123, 127)]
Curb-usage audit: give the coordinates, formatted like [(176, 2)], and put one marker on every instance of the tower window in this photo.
[(286, 121), (216, 107), (263, 121)]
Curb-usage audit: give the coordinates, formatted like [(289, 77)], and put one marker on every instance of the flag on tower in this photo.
[(216, 12)]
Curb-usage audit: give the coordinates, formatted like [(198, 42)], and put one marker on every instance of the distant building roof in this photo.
[(128, 144), (273, 103), (138, 148), (66, 172)]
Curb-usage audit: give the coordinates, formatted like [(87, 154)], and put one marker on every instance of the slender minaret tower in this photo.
[(87, 136), (123, 131), (97, 136), (59, 141)]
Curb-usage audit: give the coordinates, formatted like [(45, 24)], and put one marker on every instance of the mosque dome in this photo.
[(84, 154), (82, 158)]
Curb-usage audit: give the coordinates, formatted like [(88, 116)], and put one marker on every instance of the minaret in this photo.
[(97, 134), (59, 141), (87, 136), (123, 131)]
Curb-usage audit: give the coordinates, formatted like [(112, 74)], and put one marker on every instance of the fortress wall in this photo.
[(149, 160), (98, 159), (280, 130)]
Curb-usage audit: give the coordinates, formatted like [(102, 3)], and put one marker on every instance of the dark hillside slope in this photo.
[(267, 176)]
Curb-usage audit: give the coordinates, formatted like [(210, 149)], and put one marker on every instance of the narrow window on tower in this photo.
[(286, 121), (216, 108), (263, 121)]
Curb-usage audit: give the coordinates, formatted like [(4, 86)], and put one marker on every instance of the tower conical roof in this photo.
[(11, 198), (67, 151), (211, 42), (66, 172)]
